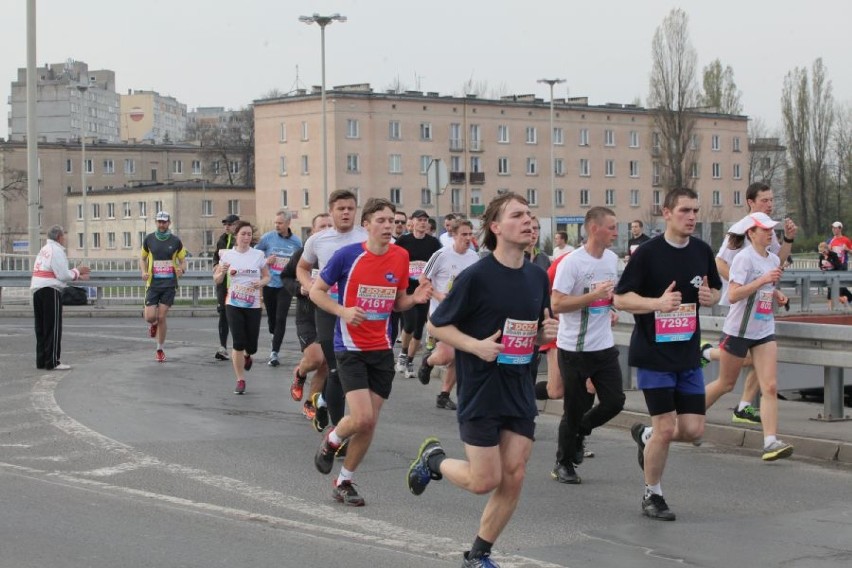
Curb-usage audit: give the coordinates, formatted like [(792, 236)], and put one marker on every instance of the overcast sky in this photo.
[(228, 52)]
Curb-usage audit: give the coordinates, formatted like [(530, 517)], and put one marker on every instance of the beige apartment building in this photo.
[(111, 170), (380, 144), (148, 115)]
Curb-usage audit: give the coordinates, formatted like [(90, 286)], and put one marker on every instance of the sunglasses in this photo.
[(400, 222)]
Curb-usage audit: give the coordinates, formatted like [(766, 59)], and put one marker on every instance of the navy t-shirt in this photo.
[(483, 297), (652, 267)]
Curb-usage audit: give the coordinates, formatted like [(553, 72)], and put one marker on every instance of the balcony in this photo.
[(457, 177), (475, 146), (476, 210), (477, 177), (657, 210), (456, 144)]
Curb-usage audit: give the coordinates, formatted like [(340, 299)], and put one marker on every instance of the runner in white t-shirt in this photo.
[(441, 271)]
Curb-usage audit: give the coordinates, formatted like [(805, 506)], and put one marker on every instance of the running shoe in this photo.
[(444, 401), (341, 451), (748, 415), (222, 354), (273, 360), (565, 474), (409, 370), (424, 373), (401, 363), (152, 330), (587, 453), (483, 561), (247, 365), (320, 420), (344, 492), (297, 390), (324, 458), (636, 431), (419, 473), (655, 507), (161, 356), (61, 367), (241, 386), (777, 450), (704, 360), (308, 410)]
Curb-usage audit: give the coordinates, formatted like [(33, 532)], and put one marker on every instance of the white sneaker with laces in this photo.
[(62, 367)]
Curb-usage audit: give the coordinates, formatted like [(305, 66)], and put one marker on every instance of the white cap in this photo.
[(837, 224), (162, 216), (761, 220)]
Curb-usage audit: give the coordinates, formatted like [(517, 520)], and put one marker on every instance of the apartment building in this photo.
[(380, 144), (148, 115)]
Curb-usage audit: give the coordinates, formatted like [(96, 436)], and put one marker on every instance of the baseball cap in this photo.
[(163, 216), (761, 220), (837, 224), (419, 213), (230, 219)]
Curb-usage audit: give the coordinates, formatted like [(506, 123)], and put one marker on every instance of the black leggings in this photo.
[(245, 327), (277, 302), (414, 319), (333, 393), (47, 308), (221, 292)]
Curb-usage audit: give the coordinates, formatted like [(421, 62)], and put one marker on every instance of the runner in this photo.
[(342, 204), (420, 246), (665, 282), (372, 278), (246, 272), (278, 246), (441, 271), (493, 316), (163, 261), (582, 296), (226, 241)]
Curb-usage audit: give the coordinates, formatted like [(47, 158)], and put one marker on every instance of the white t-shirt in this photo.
[(244, 271), (446, 239), (323, 245), (443, 267), (559, 251), (752, 317), (728, 255), (590, 328)]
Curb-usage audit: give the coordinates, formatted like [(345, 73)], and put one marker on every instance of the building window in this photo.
[(503, 133), (532, 167), (140, 236), (284, 200), (736, 143), (306, 198), (475, 138), (79, 211), (584, 137), (425, 130), (693, 170), (634, 198), (584, 198), (353, 163), (476, 196), (282, 165), (282, 132), (737, 172), (558, 167), (634, 139), (424, 163), (208, 239), (69, 166), (206, 208), (396, 195), (693, 142), (109, 166), (233, 207), (503, 166), (559, 197), (158, 206), (353, 129), (110, 240), (96, 240), (80, 241), (394, 130), (425, 196), (110, 210), (234, 166), (717, 170), (655, 173), (609, 196), (127, 243), (305, 164), (558, 136), (585, 170), (90, 166), (475, 164), (395, 164), (656, 198), (655, 142), (738, 198), (177, 166), (714, 143), (196, 167), (143, 209), (127, 211), (456, 142), (129, 166), (634, 168), (717, 198), (304, 130), (609, 137), (609, 168), (455, 198), (532, 197), (455, 164), (532, 136), (216, 166)]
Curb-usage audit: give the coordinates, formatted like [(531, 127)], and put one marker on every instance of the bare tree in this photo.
[(228, 147), (720, 89), (841, 177), (396, 85), (822, 121), (673, 94)]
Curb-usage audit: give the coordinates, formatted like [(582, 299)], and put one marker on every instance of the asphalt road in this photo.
[(126, 462)]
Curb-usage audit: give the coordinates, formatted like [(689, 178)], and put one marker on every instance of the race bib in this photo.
[(764, 305), (518, 341), (334, 292), (601, 306), (163, 269), (678, 325), (376, 301), (243, 296), (415, 269), (279, 264)]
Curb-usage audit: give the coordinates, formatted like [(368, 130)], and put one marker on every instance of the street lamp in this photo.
[(322, 22), (552, 82), (83, 87)]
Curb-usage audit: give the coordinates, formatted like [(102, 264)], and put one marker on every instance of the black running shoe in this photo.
[(636, 431), (655, 507), (565, 474), (483, 561), (424, 373), (419, 473), (344, 492), (320, 419), (324, 458), (444, 401)]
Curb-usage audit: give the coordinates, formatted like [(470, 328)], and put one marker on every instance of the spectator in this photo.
[(840, 244), (828, 260)]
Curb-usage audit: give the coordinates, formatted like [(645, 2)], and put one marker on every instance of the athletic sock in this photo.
[(435, 461), (159, 346), (769, 440), (334, 439), (655, 489), (345, 475), (300, 376), (706, 353), (743, 404), (646, 434), (541, 391), (321, 401), (480, 548)]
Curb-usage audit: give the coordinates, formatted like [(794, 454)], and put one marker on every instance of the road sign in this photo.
[(571, 220), (20, 246)]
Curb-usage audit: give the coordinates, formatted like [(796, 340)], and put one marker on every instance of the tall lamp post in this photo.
[(322, 22), (83, 87), (552, 82)]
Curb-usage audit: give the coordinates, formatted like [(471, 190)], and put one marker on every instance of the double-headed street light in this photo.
[(322, 22), (83, 87), (552, 82)]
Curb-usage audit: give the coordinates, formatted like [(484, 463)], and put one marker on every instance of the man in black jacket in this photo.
[(226, 241)]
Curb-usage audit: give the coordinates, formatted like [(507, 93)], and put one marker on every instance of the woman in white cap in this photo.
[(750, 325)]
